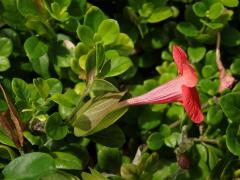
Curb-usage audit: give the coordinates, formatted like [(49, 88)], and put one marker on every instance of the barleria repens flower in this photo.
[(181, 89)]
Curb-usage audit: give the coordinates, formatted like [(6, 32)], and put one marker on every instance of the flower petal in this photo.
[(189, 75), (191, 104), (165, 93), (180, 57)]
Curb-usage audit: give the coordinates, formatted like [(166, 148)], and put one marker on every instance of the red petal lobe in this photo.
[(191, 104), (180, 57)]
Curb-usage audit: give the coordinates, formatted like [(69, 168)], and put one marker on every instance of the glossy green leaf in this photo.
[(29, 166), (187, 29), (68, 99), (155, 141), (214, 115), (149, 119), (215, 10), (59, 175), (55, 86), (172, 140), (28, 8), (100, 86), (4, 139), (231, 106), (55, 127), (41, 66), (113, 137), (85, 34), (21, 89), (108, 30), (212, 157), (160, 14), (119, 65), (230, 36), (109, 159), (235, 67), (93, 17), (199, 9), (232, 138), (230, 3), (196, 53), (35, 48), (6, 47), (7, 153), (4, 63), (100, 56), (208, 71), (65, 160), (42, 87)]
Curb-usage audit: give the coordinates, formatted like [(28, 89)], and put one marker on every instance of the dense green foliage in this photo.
[(65, 66)]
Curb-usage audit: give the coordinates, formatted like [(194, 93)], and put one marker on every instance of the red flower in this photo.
[(181, 89)]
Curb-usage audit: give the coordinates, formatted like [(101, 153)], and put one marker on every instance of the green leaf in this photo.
[(202, 151), (215, 10), (212, 157), (199, 8), (160, 14), (123, 44), (175, 112), (235, 66), (41, 66), (100, 56), (21, 89), (85, 34), (101, 86), (119, 65), (231, 106), (29, 166), (66, 160), (6, 47), (34, 140), (214, 115), (94, 176), (108, 30), (93, 17), (59, 175), (4, 139), (110, 137), (35, 48), (68, 99), (149, 119), (155, 141), (28, 8), (55, 127), (146, 10), (42, 87), (164, 130), (232, 138), (55, 86), (90, 65), (172, 140), (208, 71), (7, 153), (196, 53), (208, 86), (11, 14), (187, 29), (230, 3), (109, 159), (4, 63), (230, 36)]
